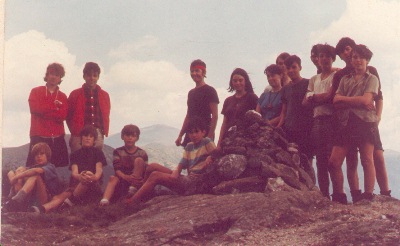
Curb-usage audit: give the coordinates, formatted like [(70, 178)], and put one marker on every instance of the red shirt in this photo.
[(47, 118), (76, 110)]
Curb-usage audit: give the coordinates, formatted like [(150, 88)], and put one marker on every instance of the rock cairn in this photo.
[(256, 157)]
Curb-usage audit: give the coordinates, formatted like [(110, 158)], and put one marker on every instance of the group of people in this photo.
[(333, 116)]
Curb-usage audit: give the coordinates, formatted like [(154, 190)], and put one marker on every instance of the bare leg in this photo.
[(156, 178), (41, 191), (352, 163), (380, 169), (367, 161), (112, 183), (322, 173), (156, 167), (56, 201), (335, 168), (20, 182)]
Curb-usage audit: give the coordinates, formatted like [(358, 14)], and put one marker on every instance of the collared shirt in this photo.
[(350, 87)]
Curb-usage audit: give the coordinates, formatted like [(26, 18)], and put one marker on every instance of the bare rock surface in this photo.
[(275, 218)]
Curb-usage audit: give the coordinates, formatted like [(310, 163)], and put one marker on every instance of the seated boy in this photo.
[(129, 163), (87, 172), (41, 179), (196, 157)]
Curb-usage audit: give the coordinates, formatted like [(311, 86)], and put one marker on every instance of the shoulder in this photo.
[(315, 77), (76, 92)]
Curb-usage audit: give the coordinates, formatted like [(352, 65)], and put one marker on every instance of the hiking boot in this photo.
[(339, 197), (386, 193), (14, 206), (355, 195), (366, 196)]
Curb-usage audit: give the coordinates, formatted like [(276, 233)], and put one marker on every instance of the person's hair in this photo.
[(91, 67), (363, 51), (292, 59), (130, 130), (274, 69), (240, 71), (328, 50), (282, 56), (316, 48), (55, 68), (198, 62), (89, 130), (343, 42), (41, 148), (196, 123)]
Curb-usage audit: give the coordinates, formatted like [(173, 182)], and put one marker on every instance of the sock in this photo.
[(20, 196)]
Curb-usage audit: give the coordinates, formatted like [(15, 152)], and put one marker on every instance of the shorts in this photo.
[(322, 134), (357, 132)]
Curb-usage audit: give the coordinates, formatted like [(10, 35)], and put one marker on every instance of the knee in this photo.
[(154, 176), (20, 170), (113, 179)]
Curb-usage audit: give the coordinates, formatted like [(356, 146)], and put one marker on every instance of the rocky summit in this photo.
[(260, 190)]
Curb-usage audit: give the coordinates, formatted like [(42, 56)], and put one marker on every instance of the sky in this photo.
[(145, 48)]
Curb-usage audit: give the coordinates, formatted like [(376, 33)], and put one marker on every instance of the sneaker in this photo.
[(355, 195), (68, 202), (104, 202), (132, 190), (36, 209), (366, 196), (386, 193)]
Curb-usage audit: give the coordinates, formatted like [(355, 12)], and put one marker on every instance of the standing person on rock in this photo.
[(49, 107), (89, 105), (357, 123), (236, 106), (202, 102), (323, 126)]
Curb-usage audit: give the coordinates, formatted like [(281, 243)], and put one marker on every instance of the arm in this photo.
[(60, 114), (275, 121), (28, 173), (37, 106), (379, 109), (214, 119), (177, 171), (356, 101), (178, 141), (258, 108), (75, 172), (283, 115), (222, 132), (99, 171)]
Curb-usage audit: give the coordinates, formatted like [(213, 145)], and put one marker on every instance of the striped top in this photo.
[(196, 153)]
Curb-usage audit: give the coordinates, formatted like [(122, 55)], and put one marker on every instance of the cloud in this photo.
[(146, 46), (26, 58), (374, 23)]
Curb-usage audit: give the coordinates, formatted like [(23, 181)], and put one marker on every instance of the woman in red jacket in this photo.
[(49, 108)]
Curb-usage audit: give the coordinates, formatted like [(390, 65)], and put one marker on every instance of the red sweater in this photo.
[(76, 110), (47, 119)]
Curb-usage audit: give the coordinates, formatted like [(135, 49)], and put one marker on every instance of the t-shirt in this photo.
[(318, 86), (50, 178), (350, 87), (235, 108), (86, 159), (298, 117), (270, 104), (199, 100), (124, 161), (196, 153)]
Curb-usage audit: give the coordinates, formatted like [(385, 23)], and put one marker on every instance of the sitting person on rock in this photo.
[(40, 180), (87, 172), (357, 123), (269, 104), (236, 106), (196, 158), (130, 163)]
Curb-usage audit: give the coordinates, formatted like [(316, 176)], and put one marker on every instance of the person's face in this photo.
[(40, 158), (130, 140), (52, 78), (87, 141), (197, 74), (346, 54), (91, 79), (238, 83), (314, 58), (358, 62), (196, 135), (281, 63), (325, 61), (294, 71), (274, 80)]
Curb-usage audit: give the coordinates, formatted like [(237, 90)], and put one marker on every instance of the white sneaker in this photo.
[(104, 202), (132, 190)]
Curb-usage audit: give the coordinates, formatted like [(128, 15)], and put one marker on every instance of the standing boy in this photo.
[(130, 164), (202, 102), (323, 128), (41, 180), (88, 105), (49, 108), (196, 158), (296, 119)]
